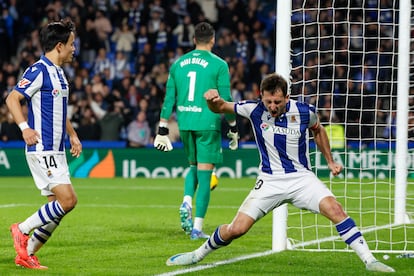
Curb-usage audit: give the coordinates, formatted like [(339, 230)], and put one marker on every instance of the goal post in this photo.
[(353, 63), (279, 238), (403, 87)]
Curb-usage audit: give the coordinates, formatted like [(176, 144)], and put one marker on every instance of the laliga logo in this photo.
[(55, 93), (265, 126)]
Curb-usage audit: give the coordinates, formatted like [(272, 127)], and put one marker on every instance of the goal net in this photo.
[(347, 58)]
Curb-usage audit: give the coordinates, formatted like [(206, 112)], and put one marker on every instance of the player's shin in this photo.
[(40, 236), (47, 213), (214, 242)]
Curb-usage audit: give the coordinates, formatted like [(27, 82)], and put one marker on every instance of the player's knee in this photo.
[(236, 230), (68, 203), (333, 210)]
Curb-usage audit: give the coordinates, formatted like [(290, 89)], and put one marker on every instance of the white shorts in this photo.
[(302, 189), (48, 170)]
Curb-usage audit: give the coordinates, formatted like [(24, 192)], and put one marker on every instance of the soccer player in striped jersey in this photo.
[(46, 90), (200, 129), (281, 126)]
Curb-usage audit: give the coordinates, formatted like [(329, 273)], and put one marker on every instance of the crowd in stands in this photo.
[(125, 48), (346, 64)]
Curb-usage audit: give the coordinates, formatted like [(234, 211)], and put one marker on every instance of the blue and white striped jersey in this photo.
[(46, 90), (283, 142)]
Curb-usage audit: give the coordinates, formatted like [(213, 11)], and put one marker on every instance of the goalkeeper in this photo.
[(282, 136), (200, 129)]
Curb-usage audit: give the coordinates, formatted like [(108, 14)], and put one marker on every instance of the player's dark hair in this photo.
[(272, 83), (203, 33), (55, 32)]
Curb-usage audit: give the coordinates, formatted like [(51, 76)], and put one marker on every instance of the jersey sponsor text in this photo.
[(281, 130), (189, 108)]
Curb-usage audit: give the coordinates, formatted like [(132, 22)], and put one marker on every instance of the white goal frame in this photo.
[(280, 238)]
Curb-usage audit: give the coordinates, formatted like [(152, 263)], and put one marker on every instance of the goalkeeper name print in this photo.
[(194, 60)]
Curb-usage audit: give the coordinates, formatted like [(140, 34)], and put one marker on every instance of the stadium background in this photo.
[(124, 49)]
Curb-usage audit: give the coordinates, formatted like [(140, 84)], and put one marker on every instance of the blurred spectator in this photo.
[(121, 67), (161, 42), (156, 17), (112, 122), (238, 90), (411, 124), (242, 48), (134, 14), (123, 86), (78, 88), (145, 61), (142, 39), (133, 98), (101, 62), (119, 11), (390, 130), (184, 33), (124, 39), (143, 87), (88, 128), (139, 132), (160, 74), (195, 11), (97, 104), (154, 104), (9, 130), (89, 43), (103, 28)]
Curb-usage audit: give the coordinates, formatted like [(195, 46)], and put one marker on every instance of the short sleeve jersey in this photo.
[(189, 78), (46, 90), (283, 142)]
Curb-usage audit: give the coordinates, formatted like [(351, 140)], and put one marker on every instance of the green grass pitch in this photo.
[(131, 226)]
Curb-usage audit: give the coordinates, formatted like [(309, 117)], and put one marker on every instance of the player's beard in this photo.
[(275, 113)]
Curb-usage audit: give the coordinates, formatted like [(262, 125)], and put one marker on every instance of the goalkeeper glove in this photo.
[(213, 181), (233, 135), (162, 142)]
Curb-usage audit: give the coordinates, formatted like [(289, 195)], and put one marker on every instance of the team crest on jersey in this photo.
[(23, 83), (293, 119), (55, 93)]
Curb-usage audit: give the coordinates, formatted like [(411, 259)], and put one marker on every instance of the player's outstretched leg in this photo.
[(377, 266), (214, 242), (187, 258)]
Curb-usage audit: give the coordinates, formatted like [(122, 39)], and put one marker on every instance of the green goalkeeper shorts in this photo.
[(202, 146)]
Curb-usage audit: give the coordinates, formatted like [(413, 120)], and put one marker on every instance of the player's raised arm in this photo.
[(218, 104)]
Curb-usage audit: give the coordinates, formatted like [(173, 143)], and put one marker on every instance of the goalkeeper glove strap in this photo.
[(163, 131)]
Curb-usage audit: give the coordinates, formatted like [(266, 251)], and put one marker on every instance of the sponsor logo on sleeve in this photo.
[(23, 83)]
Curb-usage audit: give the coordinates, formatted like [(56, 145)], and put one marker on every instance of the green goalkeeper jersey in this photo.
[(190, 77)]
